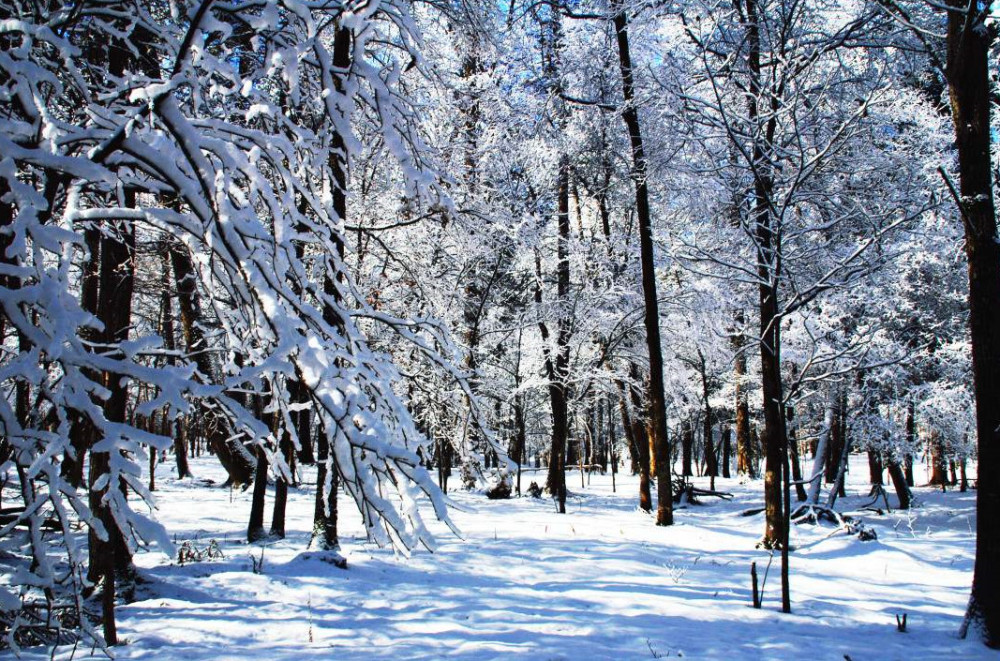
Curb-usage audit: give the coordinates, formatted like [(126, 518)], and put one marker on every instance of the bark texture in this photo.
[(970, 38), (656, 400)]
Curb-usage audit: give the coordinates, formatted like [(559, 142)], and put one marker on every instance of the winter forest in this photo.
[(562, 329)]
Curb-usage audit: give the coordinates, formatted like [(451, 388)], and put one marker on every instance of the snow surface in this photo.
[(600, 582)]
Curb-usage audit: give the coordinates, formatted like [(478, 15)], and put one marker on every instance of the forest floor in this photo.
[(600, 582)]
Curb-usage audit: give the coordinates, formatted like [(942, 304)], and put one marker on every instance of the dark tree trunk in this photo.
[(167, 330), (835, 447), (520, 437), (774, 429), (911, 442), (150, 424), (6, 238), (302, 420), (727, 449), (281, 483), (324, 533), (114, 309), (768, 250), (255, 528), (711, 462), (558, 389), (875, 468), (230, 452), (643, 442), (793, 451), (841, 477), (298, 393), (612, 442), (755, 449), (557, 368), (786, 500), (656, 398), (687, 447), (442, 457), (599, 449), (970, 39), (844, 466), (82, 432), (899, 484)]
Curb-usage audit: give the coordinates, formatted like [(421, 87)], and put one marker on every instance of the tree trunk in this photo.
[(324, 533), (237, 461), (968, 72), (599, 449), (899, 484), (302, 421), (612, 458), (744, 449), (82, 432), (774, 429), (836, 443), (556, 368), (114, 309), (939, 463), (911, 442), (786, 500), (768, 251), (687, 447), (520, 437), (838, 483), (559, 393), (656, 399), (822, 452), (255, 528), (711, 462), (281, 482), (793, 451), (727, 449), (325, 515), (844, 466), (638, 443), (167, 331), (442, 456), (875, 468)]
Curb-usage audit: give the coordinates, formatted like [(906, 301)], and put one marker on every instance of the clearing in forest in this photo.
[(600, 582)]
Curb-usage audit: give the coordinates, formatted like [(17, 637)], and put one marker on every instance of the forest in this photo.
[(476, 329)]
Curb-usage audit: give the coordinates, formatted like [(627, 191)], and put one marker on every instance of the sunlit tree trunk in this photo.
[(768, 250)]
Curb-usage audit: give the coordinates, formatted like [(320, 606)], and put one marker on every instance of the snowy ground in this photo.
[(600, 582)]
